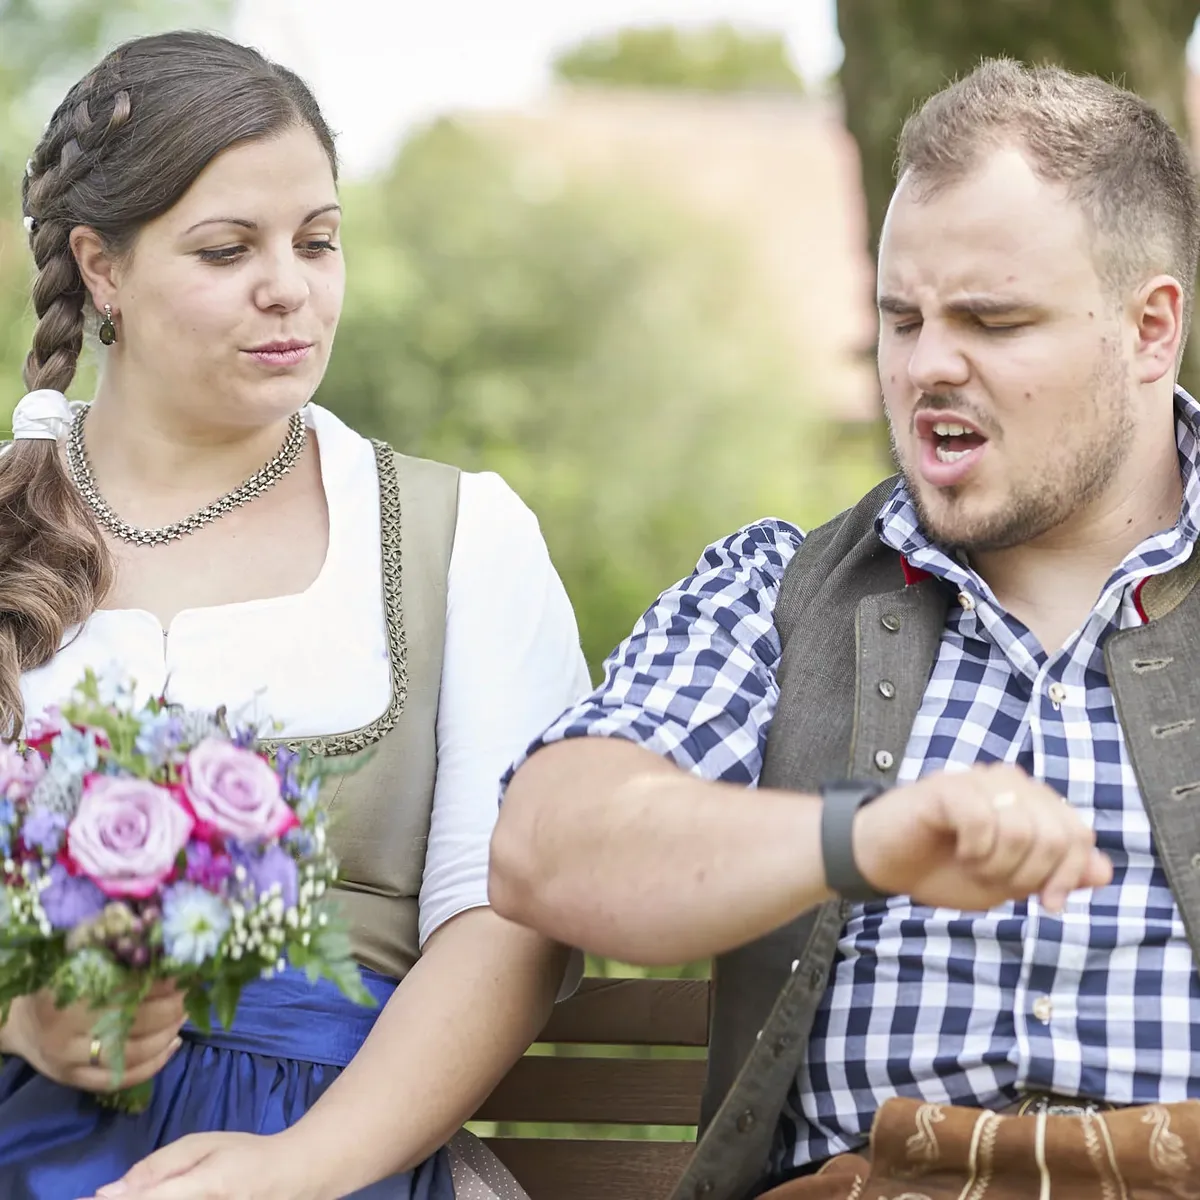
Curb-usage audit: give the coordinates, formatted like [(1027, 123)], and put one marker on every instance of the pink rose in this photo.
[(235, 791), (127, 834), (19, 773)]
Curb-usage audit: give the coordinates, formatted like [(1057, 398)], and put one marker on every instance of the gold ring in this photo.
[(1004, 800), (94, 1052)]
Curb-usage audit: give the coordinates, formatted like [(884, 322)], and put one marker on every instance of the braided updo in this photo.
[(122, 148)]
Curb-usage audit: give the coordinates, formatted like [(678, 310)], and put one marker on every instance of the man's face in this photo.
[(1003, 359)]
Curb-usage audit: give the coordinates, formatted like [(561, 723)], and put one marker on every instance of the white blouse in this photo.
[(317, 662)]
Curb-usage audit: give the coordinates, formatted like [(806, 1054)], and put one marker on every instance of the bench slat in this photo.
[(633, 1012), (618, 1091), (558, 1169)]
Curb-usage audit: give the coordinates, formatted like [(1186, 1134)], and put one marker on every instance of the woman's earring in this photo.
[(108, 331)]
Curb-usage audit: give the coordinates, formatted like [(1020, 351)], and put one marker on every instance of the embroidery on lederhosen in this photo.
[(1167, 1154), (922, 1148)]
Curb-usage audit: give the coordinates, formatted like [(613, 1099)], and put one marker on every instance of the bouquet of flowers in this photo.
[(147, 842)]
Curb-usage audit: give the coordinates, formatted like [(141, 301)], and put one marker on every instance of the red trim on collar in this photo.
[(1137, 600), (912, 574)]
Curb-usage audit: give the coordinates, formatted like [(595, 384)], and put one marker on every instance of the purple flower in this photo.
[(70, 900), (273, 866), (245, 737), (19, 773), (235, 791), (207, 869), (285, 769), (127, 834), (44, 829)]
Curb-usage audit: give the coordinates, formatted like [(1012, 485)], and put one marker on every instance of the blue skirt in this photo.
[(289, 1042)]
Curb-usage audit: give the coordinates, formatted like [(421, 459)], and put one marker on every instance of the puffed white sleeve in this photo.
[(512, 664)]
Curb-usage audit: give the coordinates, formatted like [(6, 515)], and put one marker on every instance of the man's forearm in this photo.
[(606, 846), (479, 995)]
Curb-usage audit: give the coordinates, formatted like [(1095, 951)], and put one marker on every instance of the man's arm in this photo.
[(605, 845)]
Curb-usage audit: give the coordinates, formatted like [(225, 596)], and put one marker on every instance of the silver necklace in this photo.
[(266, 476)]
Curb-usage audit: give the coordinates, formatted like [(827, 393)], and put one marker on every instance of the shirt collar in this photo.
[(899, 527)]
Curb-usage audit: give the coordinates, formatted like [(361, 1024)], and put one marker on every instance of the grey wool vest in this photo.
[(858, 649)]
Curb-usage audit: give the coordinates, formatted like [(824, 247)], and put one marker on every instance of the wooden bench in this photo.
[(591, 1069)]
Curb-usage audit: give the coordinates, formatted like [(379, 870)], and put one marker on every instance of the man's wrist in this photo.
[(842, 802)]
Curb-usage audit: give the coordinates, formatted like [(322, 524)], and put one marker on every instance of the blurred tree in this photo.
[(899, 51), (600, 352), (719, 58), (45, 45)]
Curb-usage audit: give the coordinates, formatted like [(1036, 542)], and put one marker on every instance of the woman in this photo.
[(184, 197)]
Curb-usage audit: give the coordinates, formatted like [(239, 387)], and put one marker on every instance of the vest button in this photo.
[(816, 979), (884, 760), (781, 1044), (704, 1188), (745, 1122), (1196, 862), (890, 622), (887, 689)]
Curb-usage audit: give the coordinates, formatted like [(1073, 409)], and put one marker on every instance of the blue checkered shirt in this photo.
[(1102, 1000)]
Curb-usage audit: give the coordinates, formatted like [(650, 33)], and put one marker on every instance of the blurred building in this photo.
[(779, 172)]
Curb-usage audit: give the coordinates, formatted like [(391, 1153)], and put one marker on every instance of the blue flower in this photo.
[(194, 922), (301, 841), (160, 733), (76, 751), (70, 900), (44, 829)]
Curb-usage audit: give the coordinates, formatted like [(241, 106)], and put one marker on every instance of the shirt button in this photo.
[(1043, 1009), (884, 760), (967, 601), (1058, 694)]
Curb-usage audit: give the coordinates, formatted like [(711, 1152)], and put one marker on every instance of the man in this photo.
[(1007, 626)]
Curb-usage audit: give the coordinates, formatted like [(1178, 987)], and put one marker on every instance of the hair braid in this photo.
[(127, 141)]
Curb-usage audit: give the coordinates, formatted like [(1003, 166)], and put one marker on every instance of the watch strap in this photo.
[(842, 801)]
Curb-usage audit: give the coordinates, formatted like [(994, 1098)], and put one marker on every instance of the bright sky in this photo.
[(377, 67)]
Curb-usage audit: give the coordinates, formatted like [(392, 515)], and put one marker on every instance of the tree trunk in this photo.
[(899, 51)]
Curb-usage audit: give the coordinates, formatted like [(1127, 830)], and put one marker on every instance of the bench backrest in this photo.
[(593, 1069)]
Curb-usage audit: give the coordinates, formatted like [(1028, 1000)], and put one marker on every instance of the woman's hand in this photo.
[(58, 1042), (222, 1166)]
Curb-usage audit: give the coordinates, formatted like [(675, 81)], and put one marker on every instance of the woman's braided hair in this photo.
[(122, 148)]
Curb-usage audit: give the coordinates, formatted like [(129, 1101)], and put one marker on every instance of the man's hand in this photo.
[(974, 839)]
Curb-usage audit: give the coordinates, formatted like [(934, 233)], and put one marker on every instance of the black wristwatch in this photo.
[(842, 802)]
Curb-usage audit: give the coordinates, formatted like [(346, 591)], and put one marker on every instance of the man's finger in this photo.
[(974, 825), (1014, 839)]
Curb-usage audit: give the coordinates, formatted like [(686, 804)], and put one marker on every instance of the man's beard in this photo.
[(1044, 498)]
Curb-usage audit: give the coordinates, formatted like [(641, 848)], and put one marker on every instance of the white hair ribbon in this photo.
[(44, 414)]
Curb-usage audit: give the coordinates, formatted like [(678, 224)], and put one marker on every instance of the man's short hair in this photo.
[(1117, 156)]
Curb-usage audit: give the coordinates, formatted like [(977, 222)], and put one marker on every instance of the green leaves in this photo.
[(718, 58), (327, 956)]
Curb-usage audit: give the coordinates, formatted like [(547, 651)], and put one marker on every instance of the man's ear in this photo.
[(1157, 311)]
